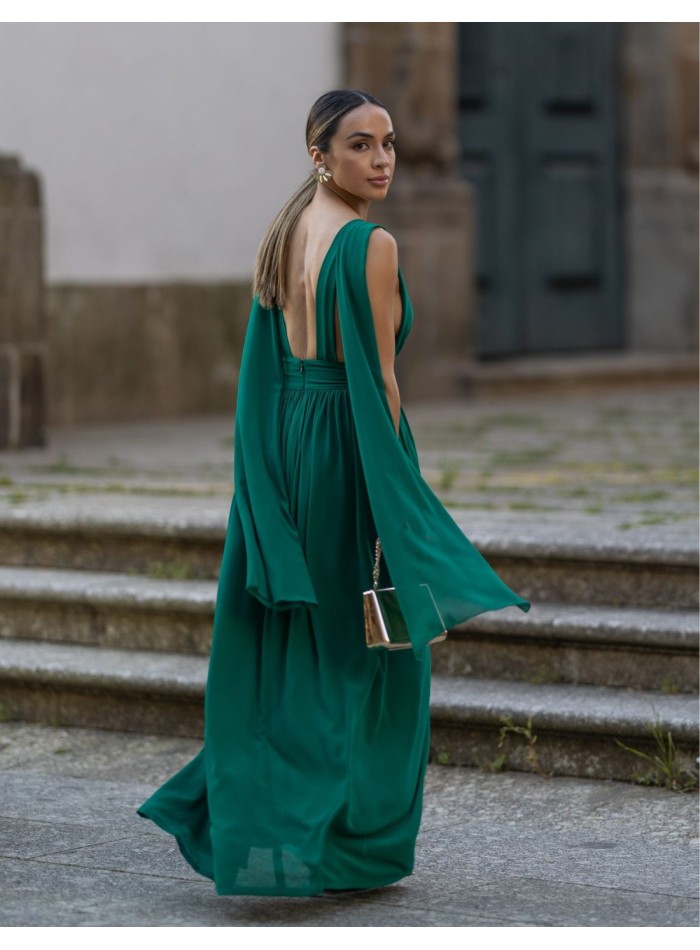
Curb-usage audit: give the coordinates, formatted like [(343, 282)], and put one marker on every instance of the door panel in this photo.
[(538, 127)]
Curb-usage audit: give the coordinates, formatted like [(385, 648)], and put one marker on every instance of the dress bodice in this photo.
[(326, 297)]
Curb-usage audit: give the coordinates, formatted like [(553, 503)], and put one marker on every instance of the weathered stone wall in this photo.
[(659, 66), (22, 324), (411, 67), (144, 351)]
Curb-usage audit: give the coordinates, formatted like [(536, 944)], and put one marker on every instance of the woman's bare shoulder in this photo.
[(382, 255), (381, 273)]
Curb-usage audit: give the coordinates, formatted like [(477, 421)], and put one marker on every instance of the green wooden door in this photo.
[(539, 136)]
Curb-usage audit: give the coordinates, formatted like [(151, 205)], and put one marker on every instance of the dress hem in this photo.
[(181, 836), (184, 843)]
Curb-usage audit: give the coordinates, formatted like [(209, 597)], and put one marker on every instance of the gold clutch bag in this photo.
[(385, 625)]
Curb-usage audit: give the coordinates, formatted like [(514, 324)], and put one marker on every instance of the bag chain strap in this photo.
[(375, 572)]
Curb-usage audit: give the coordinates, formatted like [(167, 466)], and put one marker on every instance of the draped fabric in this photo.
[(315, 747), (422, 544)]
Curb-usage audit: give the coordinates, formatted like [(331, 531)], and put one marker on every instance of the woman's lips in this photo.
[(380, 180)]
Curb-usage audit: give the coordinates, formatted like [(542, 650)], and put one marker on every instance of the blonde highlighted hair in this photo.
[(270, 278)]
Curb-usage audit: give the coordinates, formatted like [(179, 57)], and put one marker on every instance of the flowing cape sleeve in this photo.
[(430, 560), (276, 569)]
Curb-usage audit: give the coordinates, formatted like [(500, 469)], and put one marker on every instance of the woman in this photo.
[(315, 747)]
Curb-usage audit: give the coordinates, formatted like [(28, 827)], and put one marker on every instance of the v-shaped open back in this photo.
[(325, 303), (325, 338)]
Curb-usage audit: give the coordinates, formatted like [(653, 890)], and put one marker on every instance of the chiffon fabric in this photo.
[(315, 747)]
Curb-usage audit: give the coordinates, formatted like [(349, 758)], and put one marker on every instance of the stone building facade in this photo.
[(623, 96), (108, 342)]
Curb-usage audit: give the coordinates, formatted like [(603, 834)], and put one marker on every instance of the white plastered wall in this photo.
[(164, 149)]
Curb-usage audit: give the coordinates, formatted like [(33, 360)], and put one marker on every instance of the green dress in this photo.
[(315, 747)]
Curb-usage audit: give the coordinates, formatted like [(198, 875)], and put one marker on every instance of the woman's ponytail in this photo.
[(269, 282), (270, 279)]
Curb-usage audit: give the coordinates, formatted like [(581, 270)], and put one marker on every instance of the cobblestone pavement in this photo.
[(629, 454), (495, 850)]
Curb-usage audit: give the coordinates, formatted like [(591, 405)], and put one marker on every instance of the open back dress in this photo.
[(315, 747)]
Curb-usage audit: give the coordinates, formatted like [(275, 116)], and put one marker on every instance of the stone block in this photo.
[(32, 396), (555, 580), (199, 557), (7, 391), (662, 241), (21, 256), (22, 395), (537, 661), (144, 351), (23, 353)]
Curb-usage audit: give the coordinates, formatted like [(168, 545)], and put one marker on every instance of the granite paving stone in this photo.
[(495, 850), (93, 898), (20, 838), (622, 459)]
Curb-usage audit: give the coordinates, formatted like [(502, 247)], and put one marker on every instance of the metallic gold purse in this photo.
[(385, 625)]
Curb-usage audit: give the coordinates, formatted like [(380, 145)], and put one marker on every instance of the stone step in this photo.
[(640, 648), (94, 534), (608, 646), (130, 690), (107, 609), (581, 560), (557, 374), (571, 728), (560, 728)]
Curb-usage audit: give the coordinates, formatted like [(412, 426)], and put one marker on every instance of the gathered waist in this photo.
[(313, 374)]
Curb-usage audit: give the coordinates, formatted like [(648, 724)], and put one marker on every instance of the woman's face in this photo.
[(361, 153)]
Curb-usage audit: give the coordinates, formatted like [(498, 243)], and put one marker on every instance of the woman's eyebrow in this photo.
[(368, 135)]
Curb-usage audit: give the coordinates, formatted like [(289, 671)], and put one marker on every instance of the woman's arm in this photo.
[(382, 277)]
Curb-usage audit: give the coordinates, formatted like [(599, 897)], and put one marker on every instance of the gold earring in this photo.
[(322, 173)]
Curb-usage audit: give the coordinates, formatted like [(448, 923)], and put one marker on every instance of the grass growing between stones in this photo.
[(519, 457), (577, 492), (40, 490), (501, 420), (667, 770), (654, 518), (17, 497), (642, 496), (543, 674), (170, 571), (495, 765), (448, 474), (158, 491), (529, 506), (468, 505), (508, 727), (64, 466)]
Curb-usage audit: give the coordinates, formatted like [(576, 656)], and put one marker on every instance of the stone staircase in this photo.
[(105, 621)]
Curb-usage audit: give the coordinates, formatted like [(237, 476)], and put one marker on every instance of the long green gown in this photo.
[(315, 747)]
